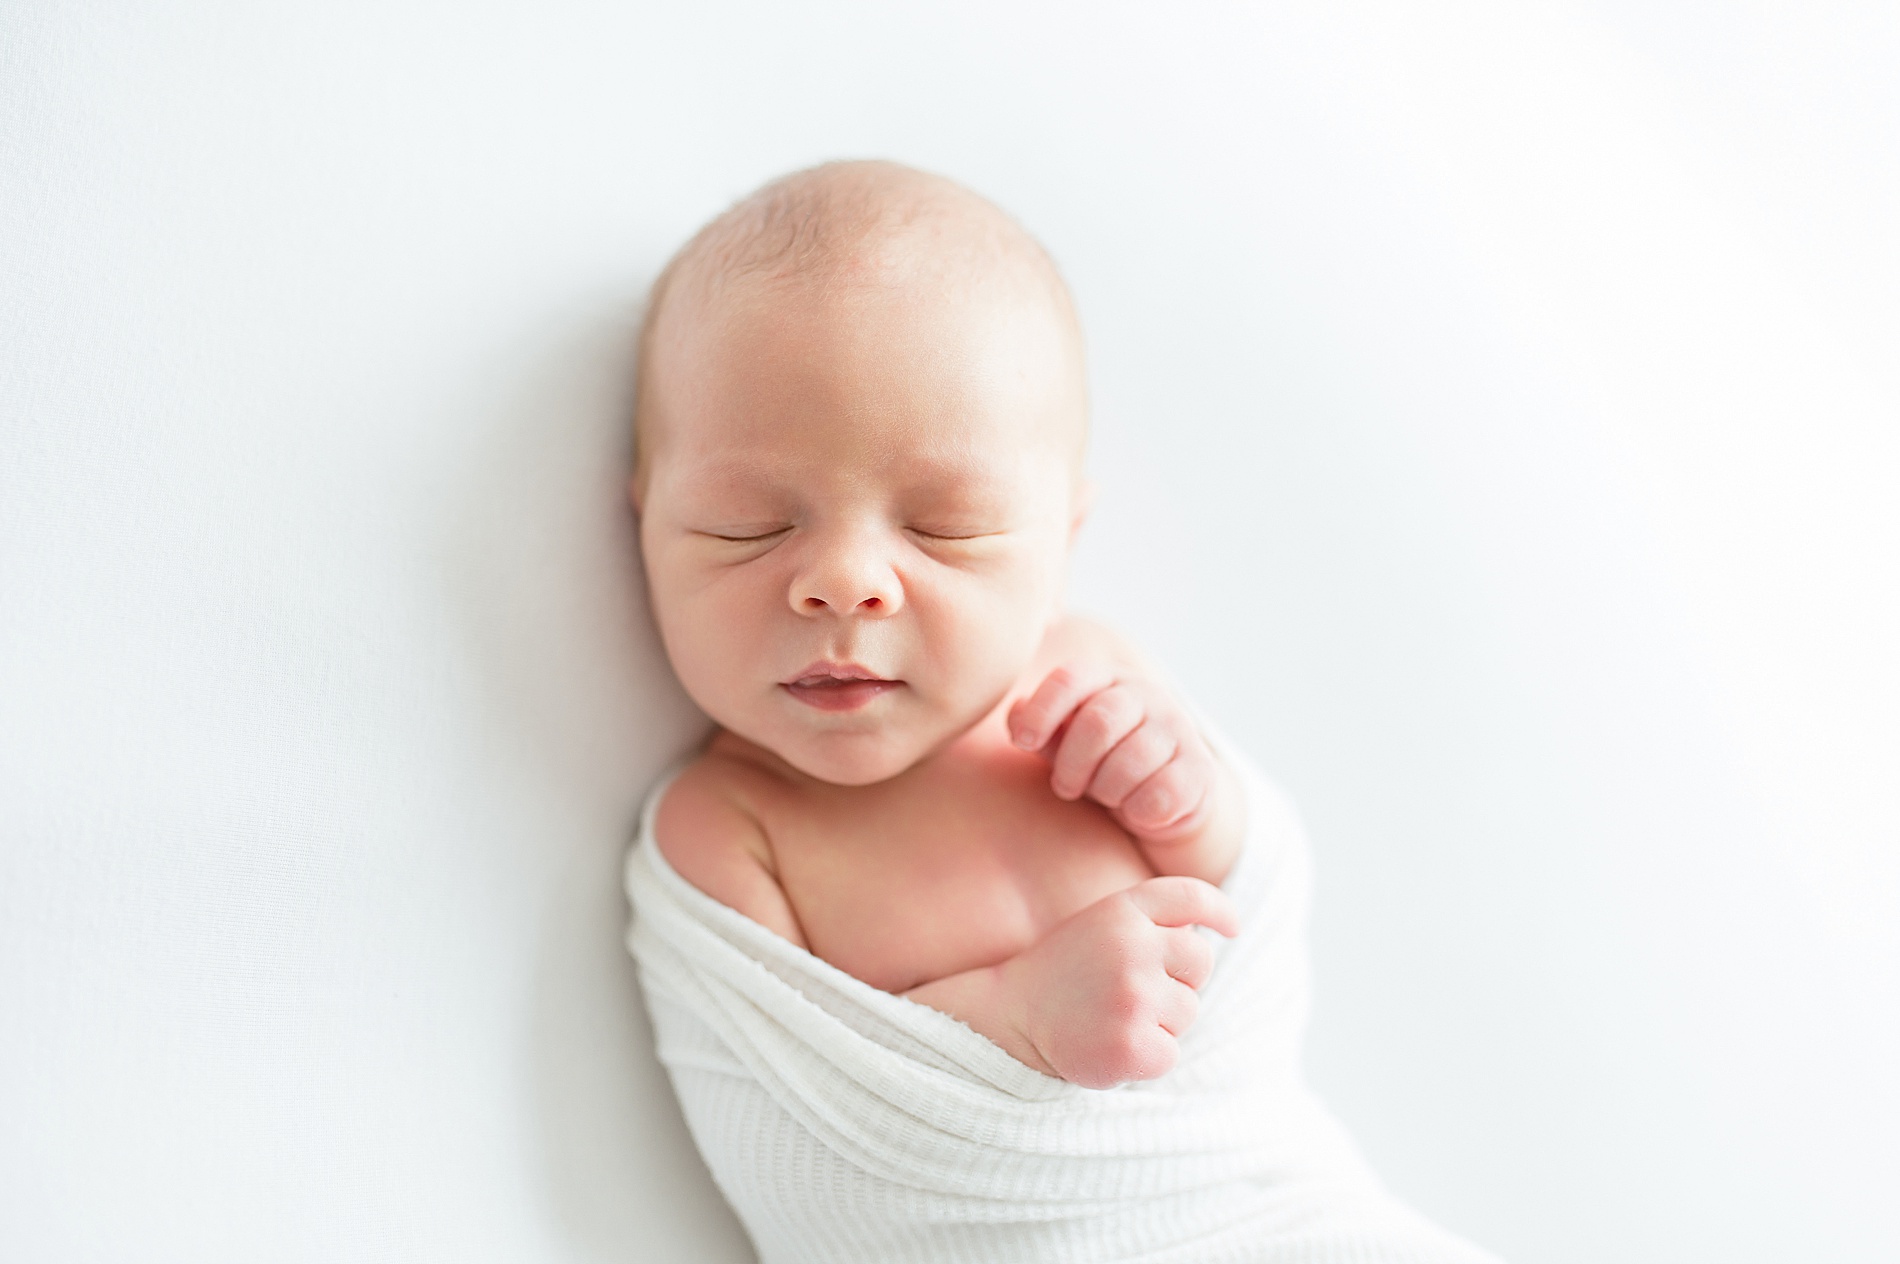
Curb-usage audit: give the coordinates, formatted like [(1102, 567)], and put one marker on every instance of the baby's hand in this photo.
[(1104, 997), (1125, 743)]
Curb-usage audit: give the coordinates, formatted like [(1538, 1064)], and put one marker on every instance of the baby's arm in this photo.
[(1104, 997), (1113, 732), (715, 844), (1099, 1000)]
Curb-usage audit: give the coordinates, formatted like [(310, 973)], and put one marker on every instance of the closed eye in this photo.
[(947, 533), (747, 536)]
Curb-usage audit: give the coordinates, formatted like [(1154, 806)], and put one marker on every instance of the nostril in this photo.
[(871, 603), (814, 603)]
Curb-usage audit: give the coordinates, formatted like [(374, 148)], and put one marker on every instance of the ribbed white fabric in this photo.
[(847, 1124)]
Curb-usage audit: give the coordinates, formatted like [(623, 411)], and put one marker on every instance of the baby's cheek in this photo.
[(984, 643), (716, 655)]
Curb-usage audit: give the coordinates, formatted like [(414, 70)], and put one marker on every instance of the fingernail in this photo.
[(1024, 739)]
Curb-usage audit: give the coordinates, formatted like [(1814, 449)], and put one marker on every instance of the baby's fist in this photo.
[(1122, 741), (1108, 993)]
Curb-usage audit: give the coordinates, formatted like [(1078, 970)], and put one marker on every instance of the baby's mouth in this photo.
[(837, 686)]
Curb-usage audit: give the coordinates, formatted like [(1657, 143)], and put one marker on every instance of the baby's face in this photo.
[(855, 510)]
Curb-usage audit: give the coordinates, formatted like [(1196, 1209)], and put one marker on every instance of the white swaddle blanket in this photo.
[(844, 1123)]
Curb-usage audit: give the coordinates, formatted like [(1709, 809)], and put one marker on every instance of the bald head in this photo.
[(834, 233)]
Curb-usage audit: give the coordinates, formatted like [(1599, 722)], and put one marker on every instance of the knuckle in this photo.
[(1123, 706), (1154, 746), (1122, 766), (1153, 1056), (1115, 942), (1060, 681), (1190, 754), (1130, 1042), (1194, 768), (1093, 722), (1185, 761), (1148, 793), (1116, 767), (1169, 713), (1127, 996), (1133, 1053), (1178, 772), (1161, 797), (1045, 708), (1106, 787)]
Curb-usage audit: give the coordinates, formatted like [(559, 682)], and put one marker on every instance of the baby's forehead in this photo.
[(848, 252), (716, 464)]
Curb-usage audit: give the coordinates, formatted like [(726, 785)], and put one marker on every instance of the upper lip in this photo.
[(819, 672)]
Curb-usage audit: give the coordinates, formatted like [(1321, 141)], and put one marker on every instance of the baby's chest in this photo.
[(934, 879)]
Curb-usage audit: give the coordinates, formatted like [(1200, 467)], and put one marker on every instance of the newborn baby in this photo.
[(861, 423), (861, 419)]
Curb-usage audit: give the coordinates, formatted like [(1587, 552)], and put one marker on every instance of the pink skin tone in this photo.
[(837, 686), (856, 504)]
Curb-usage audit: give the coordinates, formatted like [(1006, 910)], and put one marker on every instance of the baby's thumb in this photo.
[(1183, 901)]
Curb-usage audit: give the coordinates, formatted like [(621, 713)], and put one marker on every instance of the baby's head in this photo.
[(859, 436)]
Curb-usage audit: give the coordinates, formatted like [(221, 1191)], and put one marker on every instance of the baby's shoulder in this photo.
[(708, 826)]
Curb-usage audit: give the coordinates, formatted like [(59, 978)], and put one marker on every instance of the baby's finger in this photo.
[(1182, 901), (1033, 721), (1176, 1008), (1134, 760), (1186, 956), (1153, 1052), (1095, 729), (1170, 795)]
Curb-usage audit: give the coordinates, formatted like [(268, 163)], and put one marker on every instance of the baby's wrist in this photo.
[(994, 1001), (1016, 993)]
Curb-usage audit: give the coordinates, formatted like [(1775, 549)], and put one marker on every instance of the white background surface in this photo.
[(1496, 430)]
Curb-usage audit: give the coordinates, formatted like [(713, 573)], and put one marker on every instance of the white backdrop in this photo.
[(1496, 429)]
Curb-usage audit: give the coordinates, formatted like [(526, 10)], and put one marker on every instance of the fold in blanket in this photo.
[(847, 1124)]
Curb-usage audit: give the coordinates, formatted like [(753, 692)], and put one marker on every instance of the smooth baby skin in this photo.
[(857, 487)]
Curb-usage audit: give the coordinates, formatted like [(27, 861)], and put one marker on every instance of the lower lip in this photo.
[(844, 695)]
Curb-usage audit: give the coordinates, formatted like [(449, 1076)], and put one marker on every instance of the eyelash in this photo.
[(767, 535), (748, 539), (936, 535)]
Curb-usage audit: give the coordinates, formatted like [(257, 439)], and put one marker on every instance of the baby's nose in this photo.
[(848, 581)]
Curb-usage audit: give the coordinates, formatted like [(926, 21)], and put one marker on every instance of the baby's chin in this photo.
[(855, 759), (854, 755)]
